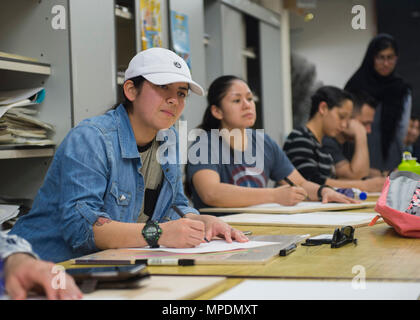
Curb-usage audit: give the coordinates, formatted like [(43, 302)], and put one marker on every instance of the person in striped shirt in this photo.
[(330, 113)]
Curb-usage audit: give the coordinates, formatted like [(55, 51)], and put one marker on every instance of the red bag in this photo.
[(399, 203)]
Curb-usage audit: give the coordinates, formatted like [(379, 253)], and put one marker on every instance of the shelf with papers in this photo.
[(120, 80), (123, 12), (22, 65), (8, 152), (249, 53)]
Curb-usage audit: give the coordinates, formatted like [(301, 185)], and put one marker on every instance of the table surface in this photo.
[(380, 252)]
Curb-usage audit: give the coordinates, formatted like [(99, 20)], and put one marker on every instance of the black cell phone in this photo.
[(125, 277)]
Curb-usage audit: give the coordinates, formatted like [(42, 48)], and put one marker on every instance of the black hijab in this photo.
[(390, 91)]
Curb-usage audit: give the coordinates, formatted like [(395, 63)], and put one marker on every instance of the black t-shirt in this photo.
[(339, 152), (152, 173)]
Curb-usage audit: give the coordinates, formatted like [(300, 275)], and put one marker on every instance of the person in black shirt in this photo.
[(330, 113), (349, 149)]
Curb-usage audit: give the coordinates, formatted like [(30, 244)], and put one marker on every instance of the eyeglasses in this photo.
[(343, 236), (391, 58)]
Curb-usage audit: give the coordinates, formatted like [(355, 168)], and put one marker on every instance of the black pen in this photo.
[(182, 215), (166, 262), (289, 249), (289, 182)]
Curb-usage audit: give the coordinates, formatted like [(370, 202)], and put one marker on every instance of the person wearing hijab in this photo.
[(377, 77)]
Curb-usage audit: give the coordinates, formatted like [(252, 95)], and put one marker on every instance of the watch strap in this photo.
[(321, 187)]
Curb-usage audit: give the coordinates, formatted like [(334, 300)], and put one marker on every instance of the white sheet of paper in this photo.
[(305, 204), (212, 246), (9, 97), (314, 218), (16, 98), (321, 290), (7, 212)]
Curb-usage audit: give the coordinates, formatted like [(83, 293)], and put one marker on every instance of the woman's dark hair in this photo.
[(128, 105), (332, 96), (217, 91)]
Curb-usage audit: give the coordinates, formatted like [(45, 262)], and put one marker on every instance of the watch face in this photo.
[(151, 231)]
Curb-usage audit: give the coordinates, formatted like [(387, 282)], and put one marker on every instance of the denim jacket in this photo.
[(96, 173)]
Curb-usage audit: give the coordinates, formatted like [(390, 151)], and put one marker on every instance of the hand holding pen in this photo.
[(182, 233), (290, 183), (182, 215), (289, 195), (215, 227)]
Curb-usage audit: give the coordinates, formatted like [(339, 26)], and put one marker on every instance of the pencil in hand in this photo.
[(182, 215)]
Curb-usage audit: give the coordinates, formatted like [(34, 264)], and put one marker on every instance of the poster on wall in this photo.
[(151, 24), (180, 36)]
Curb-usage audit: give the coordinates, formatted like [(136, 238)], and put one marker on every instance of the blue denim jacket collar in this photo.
[(128, 143), (126, 136)]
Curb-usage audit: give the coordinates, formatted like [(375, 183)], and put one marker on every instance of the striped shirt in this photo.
[(306, 154)]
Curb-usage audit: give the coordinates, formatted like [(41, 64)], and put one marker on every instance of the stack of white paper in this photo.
[(20, 125)]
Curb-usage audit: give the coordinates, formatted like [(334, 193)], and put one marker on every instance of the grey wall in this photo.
[(272, 86), (93, 57), (196, 105), (233, 35), (330, 42)]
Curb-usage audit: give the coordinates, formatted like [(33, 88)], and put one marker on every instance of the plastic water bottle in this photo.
[(352, 193), (409, 163)]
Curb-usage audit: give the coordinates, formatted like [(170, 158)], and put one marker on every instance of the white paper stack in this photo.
[(18, 125)]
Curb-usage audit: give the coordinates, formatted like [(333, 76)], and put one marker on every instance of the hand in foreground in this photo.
[(217, 227), (182, 233), (24, 273), (289, 196), (330, 195)]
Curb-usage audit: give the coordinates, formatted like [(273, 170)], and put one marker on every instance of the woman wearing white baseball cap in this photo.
[(106, 187)]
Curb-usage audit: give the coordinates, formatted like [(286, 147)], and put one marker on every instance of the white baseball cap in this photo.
[(161, 66)]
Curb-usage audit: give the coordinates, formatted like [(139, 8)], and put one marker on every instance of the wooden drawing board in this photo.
[(259, 255), (302, 207), (314, 219), (160, 288)]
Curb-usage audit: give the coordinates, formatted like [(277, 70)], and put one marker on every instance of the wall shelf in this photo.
[(123, 12), (26, 153), (249, 53), (120, 80), (25, 66)]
